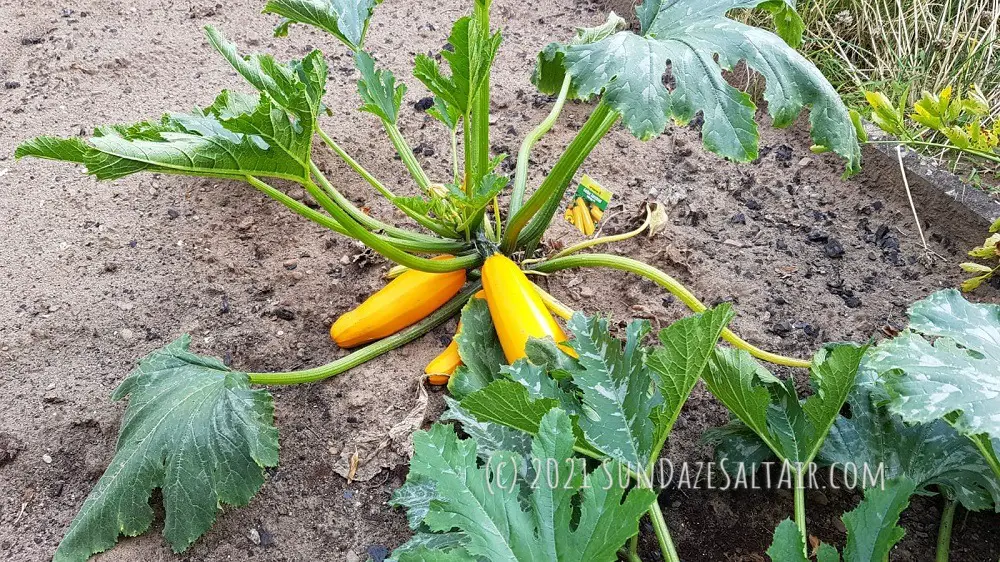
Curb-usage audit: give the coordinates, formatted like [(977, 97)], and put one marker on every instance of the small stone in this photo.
[(127, 334), (805, 162), (285, 314), (586, 292), (423, 104), (834, 248), (47, 459), (852, 302), (54, 308), (290, 264), (738, 218), (172, 214), (254, 536), (753, 205), (51, 386), (782, 328), (11, 84), (297, 275), (817, 236), (377, 553), (345, 259), (839, 525), (246, 223)]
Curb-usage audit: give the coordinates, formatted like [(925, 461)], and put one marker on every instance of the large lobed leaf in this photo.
[(239, 135), (194, 429), (469, 60), (698, 42), (347, 20), (930, 454), (479, 348), (794, 430), (946, 365), (584, 516)]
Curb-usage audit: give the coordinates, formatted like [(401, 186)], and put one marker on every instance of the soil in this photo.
[(96, 276)]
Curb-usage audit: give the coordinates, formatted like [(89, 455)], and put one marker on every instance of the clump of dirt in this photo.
[(98, 275)]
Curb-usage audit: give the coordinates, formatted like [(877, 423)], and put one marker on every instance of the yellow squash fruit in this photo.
[(406, 300), (517, 310), (442, 367), (596, 213)]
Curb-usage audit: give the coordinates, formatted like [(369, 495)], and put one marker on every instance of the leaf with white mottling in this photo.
[(615, 384), (957, 375), (699, 42), (479, 349), (347, 20)]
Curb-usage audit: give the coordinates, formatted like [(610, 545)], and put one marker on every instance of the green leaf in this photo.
[(871, 527), (448, 115), (995, 227), (956, 375), (931, 454), (687, 347), (793, 429), (235, 137), (194, 429), (297, 86), (550, 70), (738, 382), (480, 350), (827, 553), (426, 552), (583, 517), (347, 20), (508, 403), (469, 61), (787, 544), (699, 42), (491, 437), (378, 89), (615, 385)]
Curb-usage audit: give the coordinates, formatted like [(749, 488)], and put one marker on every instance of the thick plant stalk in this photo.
[(394, 253), (668, 283), (800, 507), (422, 220), (534, 218), (358, 215), (521, 173), (436, 247), (477, 129), (406, 154), (944, 531), (372, 350)]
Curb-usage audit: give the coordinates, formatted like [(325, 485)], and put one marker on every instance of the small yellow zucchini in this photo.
[(406, 300)]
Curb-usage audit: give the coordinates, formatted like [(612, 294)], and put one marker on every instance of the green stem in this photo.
[(982, 442), (454, 157), (422, 220), (549, 194), (372, 180), (663, 533), (800, 508), (668, 283), (633, 549), (406, 154), (393, 252), (435, 247), (521, 175), (589, 243), (477, 145), (944, 531), (372, 350)]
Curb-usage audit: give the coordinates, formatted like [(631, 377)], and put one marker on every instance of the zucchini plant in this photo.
[(192, 423)]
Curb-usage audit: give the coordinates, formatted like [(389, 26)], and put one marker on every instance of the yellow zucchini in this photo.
[(440, 369), (405, 301), (596, 213), (517, 310)]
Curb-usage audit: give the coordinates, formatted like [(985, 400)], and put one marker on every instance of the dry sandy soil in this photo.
[(94, 276)]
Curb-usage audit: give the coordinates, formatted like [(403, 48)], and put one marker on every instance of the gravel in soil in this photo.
[(97, 275)]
